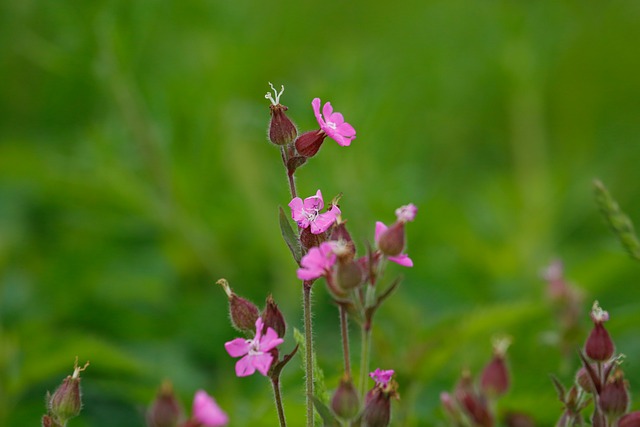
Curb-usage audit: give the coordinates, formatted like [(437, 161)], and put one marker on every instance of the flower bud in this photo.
[(583, 379), (345, 402), (377, 409), (475, 406), (345, 248), (165, 410), (614, 398), (242, 312), (309, 240), (391, 242), (281, 129), (309, 143), (66, 402), (348, 275), (599, 346), (47, 421), (495, 377), (630, 420), (272, 317)]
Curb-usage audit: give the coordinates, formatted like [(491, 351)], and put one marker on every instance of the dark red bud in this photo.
[(630, 420), (345, 402), (309, 240), (281, 129), (495, 377), (599, 346), (309, 143), (243, 314), (614, 398), (377, 409), (272, 317), (165, 410), (391, 242)]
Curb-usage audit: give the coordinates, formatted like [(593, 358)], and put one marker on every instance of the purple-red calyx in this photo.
[(306, 213), (599, 346), (255, 352)]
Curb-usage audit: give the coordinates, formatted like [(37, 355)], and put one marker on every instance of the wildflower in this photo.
[(281, 129), (377, 408), (382, 377), (317, 262), (599, 346), (399, 257), (333, 123), (255, 351), (391, 240), (207, 412), (307, 213)]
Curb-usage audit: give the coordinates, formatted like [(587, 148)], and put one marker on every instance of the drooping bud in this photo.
[(310, 142), (281, 129), (242, 312), (391, 242), (495, 377), (614, 398), (345, 402), (66, 402), (272, 317), (599, 346), (630, 420), (165, 410)]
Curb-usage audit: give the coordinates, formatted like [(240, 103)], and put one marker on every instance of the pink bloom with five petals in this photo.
[(402, 259), (307, 213), (317, 262), (333, 123), (382, 377), (207, 412), (255, 351)]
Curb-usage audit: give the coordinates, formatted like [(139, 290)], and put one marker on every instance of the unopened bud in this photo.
[(345, 402), (630, 420), (66, 402), (599, 346), (281, 129), (495, 377), (165, 410), (614, 398), (309, 240), (310, 142), (391, 242), (377, 409), (348, 275), (242, 312), (272, 317)]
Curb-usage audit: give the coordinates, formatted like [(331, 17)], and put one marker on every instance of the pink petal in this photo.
[(262, 362), (244, 366), (323, 222), (341, 140), (314, 202), (270, 340), (207, 412), (406, 213), (402, 259), (237, 347), (259, 326), (327, 110), (316, 111), (297, 212), (336, 118), (309, 274), (346, 130), (380, 228)]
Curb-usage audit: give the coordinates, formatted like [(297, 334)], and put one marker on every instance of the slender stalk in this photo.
[(344, 328), (308, 338), (292, 183), (275, 382), (364, 357)]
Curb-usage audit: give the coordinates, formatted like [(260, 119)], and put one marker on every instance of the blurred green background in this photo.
[(135, 171)]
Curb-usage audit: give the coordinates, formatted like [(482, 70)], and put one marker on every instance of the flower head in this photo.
[(207, 412), (333, 124), (382, 377), (255, 351), (307, 213), (317, 262), (402, 258)]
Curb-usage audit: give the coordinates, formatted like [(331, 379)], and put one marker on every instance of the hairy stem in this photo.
[(275, 382), (308, 338), (344, 328), (364, 357)]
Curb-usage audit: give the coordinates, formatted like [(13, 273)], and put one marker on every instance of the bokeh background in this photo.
[(135, 172)]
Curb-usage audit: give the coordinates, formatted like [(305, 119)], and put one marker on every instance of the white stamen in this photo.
[(276, 93)]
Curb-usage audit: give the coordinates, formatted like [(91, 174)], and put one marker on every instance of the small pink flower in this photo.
[(317, 262), (307, 213), (381, 377), (402, 259), (406, 213), (207, 412), (333, 124), (255, 351)]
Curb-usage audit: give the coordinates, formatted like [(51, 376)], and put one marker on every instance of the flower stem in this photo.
[(344, 328), (275, 382), (364, 357), (290, 173), (308, 338)]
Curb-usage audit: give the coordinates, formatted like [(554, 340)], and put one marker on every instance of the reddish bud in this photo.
[(377, 409), (348, 275), (583, 379), (309, 143), (345, 402), (599, 346), (242, 312), (272, 317), (309, 240), (475, 406), (165, 410), (495, 376), (614, 398), (598, 419), (630, 420), (391, 242), (281, 129), (346, 249), (66, 402)]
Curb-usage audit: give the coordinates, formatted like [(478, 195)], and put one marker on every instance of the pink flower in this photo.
[(207, 412), (333, 124), (406, 213), (381, 377), (402, 259), (255, 352), (317, 262), (307, 213)]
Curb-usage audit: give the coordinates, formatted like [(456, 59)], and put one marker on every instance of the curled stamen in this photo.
[(276, 93), (77, 369)]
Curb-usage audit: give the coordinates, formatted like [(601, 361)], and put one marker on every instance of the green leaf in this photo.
[(290, 238), (320, 386), (328, 419)]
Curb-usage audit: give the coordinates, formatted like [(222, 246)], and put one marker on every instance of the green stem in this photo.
[(364, 357), (275, 382), (292, 183), (344, 328), (308, 338)]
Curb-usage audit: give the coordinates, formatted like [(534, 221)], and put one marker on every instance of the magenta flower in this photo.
[(317, 262), (406, 213), (207, 412), (401, 259), (307, 213), (255, 351), (381, 377), (333, 124)]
